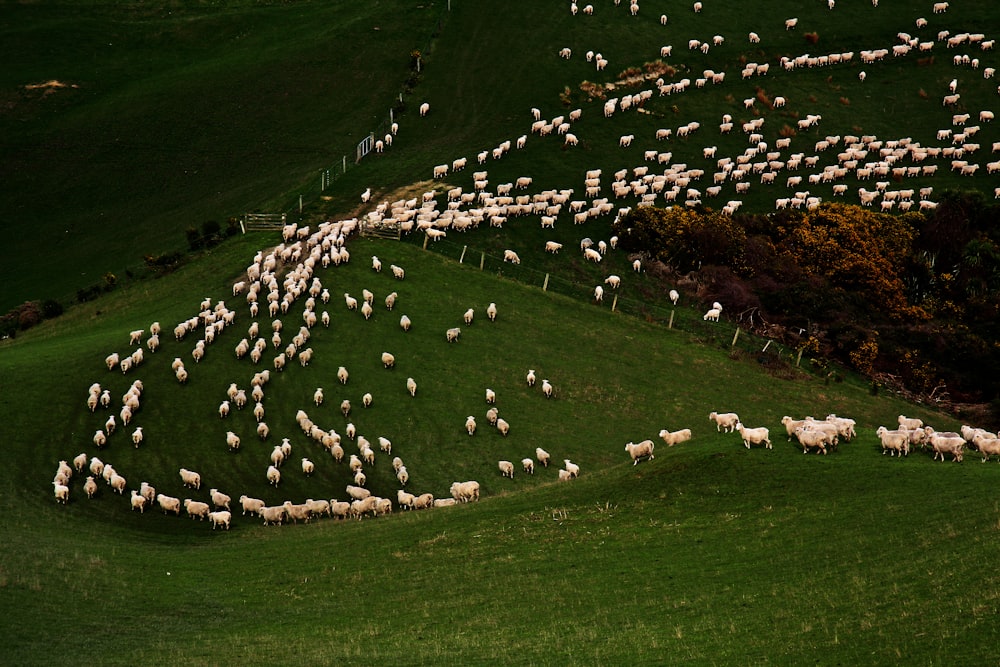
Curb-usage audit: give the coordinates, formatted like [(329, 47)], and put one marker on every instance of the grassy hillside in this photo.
[(708, 553), (710, 549), (184, 113)]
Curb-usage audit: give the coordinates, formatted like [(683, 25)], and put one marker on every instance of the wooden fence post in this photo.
[(464, 248), (735, 336), (545, 285)]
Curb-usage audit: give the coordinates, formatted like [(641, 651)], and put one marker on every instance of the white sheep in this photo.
[(542, 456), (61, 492), (273, 475), (252, 505), (405, 323), (712, 315), (638, 450), (465, 491), (672, 438), (220, 518), (725, 421), (263, 430), (598, 293), (511, 256), (506, 469), (754, 436), (137, 436), (530, 377), (502, 426), (451, 335), (572, 468), (169, 503), (411, 386), (190, 478), (547, 388), (366, 400), (90, 486), (196, 508), (491, 312), (308, 467)]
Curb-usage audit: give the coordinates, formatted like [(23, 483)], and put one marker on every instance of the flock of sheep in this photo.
[(287, 274), (805, 161), (299, 259)]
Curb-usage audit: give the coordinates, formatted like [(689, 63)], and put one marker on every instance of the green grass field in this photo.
[(708, 554)]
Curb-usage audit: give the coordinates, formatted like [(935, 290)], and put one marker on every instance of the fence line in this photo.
[(724, 334), (329, 175)]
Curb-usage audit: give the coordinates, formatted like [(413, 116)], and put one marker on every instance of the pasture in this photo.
[(708, 553)]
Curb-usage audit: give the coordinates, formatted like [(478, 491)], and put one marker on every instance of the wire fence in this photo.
[(725, 333), (329, 175)]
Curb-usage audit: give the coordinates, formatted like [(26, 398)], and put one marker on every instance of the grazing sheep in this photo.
[(137, 436), (542, 456), (816, 439), (530, 377), (405, 499), (511, 256), (263, 430), (672, 438), (491, 416), (190, 478), (272, 515), (491, 396), (897, 441), (358, 492), (80, 461), (640, 450), (451, 335), (547, 388), (223, 409), (252, 505), (61, 492), (402, 475), (233, 441), (345, 407), (725, 421), (411, 386), (169, 504), (572, 468), (947, 443), (308, 467), (468, 316), (221, 518), (754, 436), (470, 425), (404, 323), (491, 312), (89, 487), (909, 423), (464, 492), (390, 300), (366, 400), (196, 508), (712, 315), (506, 469), (503, 426), (273, 475)]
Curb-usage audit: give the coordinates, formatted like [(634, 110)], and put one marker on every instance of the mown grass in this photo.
[(708, 554)]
